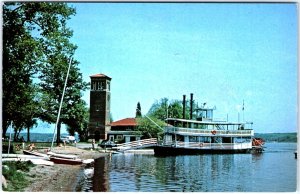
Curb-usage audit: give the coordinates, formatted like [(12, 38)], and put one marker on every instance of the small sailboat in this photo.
[(70, 161), (66, 156), (27, 152)]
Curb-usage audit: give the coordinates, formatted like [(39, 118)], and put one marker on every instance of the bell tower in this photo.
[(99, 123)]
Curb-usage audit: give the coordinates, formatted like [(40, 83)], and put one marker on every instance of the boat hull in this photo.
[(66, 161), (173, 151), (33, 153)]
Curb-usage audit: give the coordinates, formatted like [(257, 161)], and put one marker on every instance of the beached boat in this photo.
[(27, 152), (57, 160), (203, 135), (68, 156)]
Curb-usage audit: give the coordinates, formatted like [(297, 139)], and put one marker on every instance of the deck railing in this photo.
[(202, 145), (137, 144), (208, 132)]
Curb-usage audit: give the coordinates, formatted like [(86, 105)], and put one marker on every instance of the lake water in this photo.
[(272, 171)]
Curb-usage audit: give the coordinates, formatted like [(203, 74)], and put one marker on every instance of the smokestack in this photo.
[(183, 112), (191, 107)]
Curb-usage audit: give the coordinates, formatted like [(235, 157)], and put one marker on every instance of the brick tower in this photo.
[(99, 123)]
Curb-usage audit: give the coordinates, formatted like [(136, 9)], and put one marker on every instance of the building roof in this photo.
[(125, 122), (100, 75)]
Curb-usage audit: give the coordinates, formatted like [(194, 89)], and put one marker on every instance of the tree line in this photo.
[(277, 137), (36, 54)]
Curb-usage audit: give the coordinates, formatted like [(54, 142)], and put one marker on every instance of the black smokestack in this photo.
[(191, 107), (183, 103)]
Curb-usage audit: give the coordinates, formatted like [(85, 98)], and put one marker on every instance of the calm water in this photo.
[(274, 170)]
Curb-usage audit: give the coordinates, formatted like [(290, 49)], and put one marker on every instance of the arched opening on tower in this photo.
[(97, 135)]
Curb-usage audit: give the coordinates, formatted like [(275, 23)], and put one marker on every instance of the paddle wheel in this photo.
[(257, 144)]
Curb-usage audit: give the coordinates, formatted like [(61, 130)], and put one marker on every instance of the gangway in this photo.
[(144, 143)]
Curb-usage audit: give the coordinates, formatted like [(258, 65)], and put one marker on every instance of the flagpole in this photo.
[(243, 111)]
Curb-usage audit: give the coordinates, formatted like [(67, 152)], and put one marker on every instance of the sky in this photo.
[(223, 53)]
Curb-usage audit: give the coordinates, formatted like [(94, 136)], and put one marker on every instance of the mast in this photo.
[(61, 101)]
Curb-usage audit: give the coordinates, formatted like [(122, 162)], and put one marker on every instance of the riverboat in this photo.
[(203, 135)]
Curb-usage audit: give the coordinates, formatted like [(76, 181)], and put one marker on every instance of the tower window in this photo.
[(108, 86), (98, 107), (102, 85), (93, 85), (98, 86)]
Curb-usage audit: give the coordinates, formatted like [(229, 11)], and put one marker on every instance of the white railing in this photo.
[(137, 144), (202, 145), (205, 132)]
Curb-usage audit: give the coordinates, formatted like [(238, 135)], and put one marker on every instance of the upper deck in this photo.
[(205, 128), (208, 132)]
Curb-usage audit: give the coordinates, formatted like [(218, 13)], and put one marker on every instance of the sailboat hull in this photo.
[(66, 161)]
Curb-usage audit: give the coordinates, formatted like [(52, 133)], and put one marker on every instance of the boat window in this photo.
[(242, 140), (193, 139), (204, 139), (216, 140), (209, 114)]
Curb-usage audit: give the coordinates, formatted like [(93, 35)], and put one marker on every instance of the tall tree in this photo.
[(175, 109), (79, 124), (165, 108), (21, 55), (52, 84), (36, 45), (150, 127), (159, 109), (138, 113)]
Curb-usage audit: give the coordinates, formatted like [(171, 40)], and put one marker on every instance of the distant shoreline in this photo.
[(278, 137), (268, 137)]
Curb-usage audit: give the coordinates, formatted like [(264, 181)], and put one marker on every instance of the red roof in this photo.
[(100, 75), (125, 122)]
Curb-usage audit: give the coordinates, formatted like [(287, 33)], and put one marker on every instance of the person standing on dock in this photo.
[(93, 144)]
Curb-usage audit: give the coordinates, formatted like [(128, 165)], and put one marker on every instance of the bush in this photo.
[(14, 172)]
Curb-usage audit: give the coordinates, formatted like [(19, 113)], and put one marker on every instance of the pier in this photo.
[(145, 143)]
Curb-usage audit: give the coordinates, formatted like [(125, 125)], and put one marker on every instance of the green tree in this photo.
[(138, 113), (164, 108), (159, 109), (36, 47), (146, 127), (21, 60), (52, 84), (175, 109), (80, 123)]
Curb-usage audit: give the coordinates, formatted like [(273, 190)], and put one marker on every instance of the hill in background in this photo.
[(277, 137)]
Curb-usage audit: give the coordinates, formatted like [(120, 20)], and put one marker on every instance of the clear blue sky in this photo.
[(223, 53)]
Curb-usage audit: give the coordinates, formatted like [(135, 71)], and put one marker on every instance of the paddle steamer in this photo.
[(203, 135)]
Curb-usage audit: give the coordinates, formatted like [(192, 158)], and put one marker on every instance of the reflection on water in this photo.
[(101, 180), (274, 170)]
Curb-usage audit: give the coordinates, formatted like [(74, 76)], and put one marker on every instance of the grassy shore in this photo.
[(15, 173)]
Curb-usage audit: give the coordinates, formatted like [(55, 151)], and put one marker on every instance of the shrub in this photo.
[(14, 172)]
